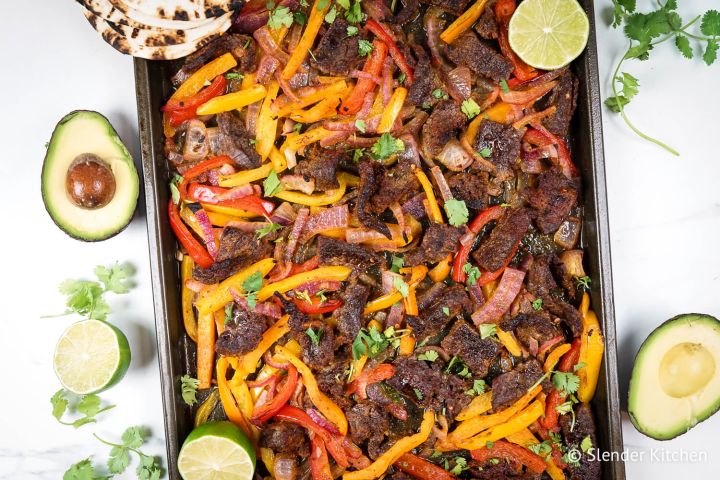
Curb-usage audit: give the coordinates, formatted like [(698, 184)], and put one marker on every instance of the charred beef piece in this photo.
[(396, 186), (433, 319), (511, 228), (428, 386), (541, 283), (321, 164), (237, 250), (477, 353), (424, 82), (368, 423), (470, 187), (337, 53), (552, 199), (564, 97), (509, 387), (285, 437), (444, 123), (468, 50), (320, 354), (242, 334), (439, 240), (234, 141), (503, 141), (371, 174), (331, 381), (487, 25), (456, 7), (507, 470), (242, 48), (298, 319), (574, 434), (534, 330), (350, 315), (337, 252)]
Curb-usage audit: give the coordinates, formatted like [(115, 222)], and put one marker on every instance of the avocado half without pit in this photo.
[(89, 181), (675, 382)]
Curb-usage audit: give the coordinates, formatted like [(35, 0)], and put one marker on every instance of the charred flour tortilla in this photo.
[(106, 10), (182, 10)]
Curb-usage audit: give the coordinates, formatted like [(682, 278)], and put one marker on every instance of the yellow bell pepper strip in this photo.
[(229, 211), (241, 392), (522, 420), (527, 439), (392, 297), (463, 22), (478, 424), (326, 406), (268, 458), (232, 410), (435, 213), (249, 361), (591, 354), (318, 199), (407, 344), (392, 110), (219, 321), (278, 160), (337, 272), (357, 368), (248, 80), (509, 341), (205, 349), (404, 445), (315, 21), (584, 305), (324, 109), (204, 410), (186, 268), (189, 218), (479, 405), (440, 272), (554, 357), (246, 176), (221, 295), (284, 108), (266, 128), (220, 219), (295, 143), (233, 101), (206, 73)]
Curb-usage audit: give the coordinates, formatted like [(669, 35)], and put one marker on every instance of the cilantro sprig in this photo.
[(132, 439), (188, 389), (87, 297), (90, 406), (647, 30)]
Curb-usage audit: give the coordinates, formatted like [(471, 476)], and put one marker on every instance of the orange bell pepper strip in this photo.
[(386, 301), (381, 32), (394, 453), (554, 357), (249, 361), (591, 353), (266, 127), (204, 74), (205, 349), (441, 270), (464, 22), (420, 468), (187, 295), (220, 297), (392, 110), (314, 22), (509, 341), (283, 106), (319, 461), (435, 213), (233, 101), (324, 109), (336, 272), (326, 406), (520, 421), (509, 451), (353, 103), (232, 410), (407, 344), (479, 405)]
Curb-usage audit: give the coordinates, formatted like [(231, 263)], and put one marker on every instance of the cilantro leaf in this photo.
[(253, 283), (439, 94), (119, 460), (711, 51), (59, 403), (582, 283), (352, 30), (446, 311), (485, 152), (710, 24), (188, 388), (418, 393), (354, 14), (429, 356), (504, 86), (331, 14), (470, 108), (343, 3), (460, 466), (617, 103), (85, 298), (174, 190), (387, 146), (364, 48), (487, 330), (397, 263), (315, 337), (457, 212), (88, 405), (271, 185), (477, 388), (566, 381), (271, 227), (360, 125), (133, 437), (630, 85), (116, 278), (322, 4), (280, 17), (83, 470), (683, 44), (300, 18), (231, 76), (622, 8), (473, 273), (537, 304), (586, 445), (401, 286)]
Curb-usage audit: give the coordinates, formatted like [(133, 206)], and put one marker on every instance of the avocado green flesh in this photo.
[(88, 132), (675, 383)]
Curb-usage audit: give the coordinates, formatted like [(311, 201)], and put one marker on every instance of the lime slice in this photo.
[(91, 356), (217, 451), (548, 34)]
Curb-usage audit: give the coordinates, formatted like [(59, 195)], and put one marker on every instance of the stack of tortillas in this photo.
[(159, 29)]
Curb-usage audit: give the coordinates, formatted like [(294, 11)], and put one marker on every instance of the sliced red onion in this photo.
[(414, 206), (251, 117), (247, 226), (476, 294), (226, 169), (454, 156), (286, 87), (311, 288), (322, 421), (269, 309), (284, 214), (386, 86), (297, 229), (270, 380), (238, 192), (359, 235), (549, 343), (208, 232), (285, 467), (290, 158), (267, 44), (506, 291), (213, 178), (523, 97), (377, 10), (459, 83), (362, 142), (288, 126), (366, 76), (266, 69), (442, 184), (533, 346), (268, 359), (394, 318), (433, 25), (335, 217), (334, 139), (467, 239), (366, 106), (397, 211), (388, 280), (340, 126), (397, 411)]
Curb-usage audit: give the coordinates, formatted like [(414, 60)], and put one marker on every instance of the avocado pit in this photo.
[(90, 182)]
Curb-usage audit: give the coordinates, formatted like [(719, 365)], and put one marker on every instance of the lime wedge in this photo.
[(91, 356), (217, 451), (548, 34)]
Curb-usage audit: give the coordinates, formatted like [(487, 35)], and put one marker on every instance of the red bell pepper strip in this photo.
[(504, 9), (421, 468), (311, 264), (368, 377), (334, 443), (555, 398), (315, 305), (199, 192), (483, 218), (373, 66), (567, 167), (505, 450), (200, 168), (194, 248), (216, 88), (319, 462), (269, 409), (557, 454), (381, 32)]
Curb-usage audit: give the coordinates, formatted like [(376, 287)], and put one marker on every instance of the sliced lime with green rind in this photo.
[(548, 34), (91, 356), (217, 451)]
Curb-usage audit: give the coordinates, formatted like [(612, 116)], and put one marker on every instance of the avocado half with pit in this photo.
[(89, 182), (675, 383)]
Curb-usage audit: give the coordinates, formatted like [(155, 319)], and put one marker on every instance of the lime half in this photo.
[(91, 356), (217, 451), (548, 34)]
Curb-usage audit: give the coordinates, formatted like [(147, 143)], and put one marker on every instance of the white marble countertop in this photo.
[(664, 220)]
